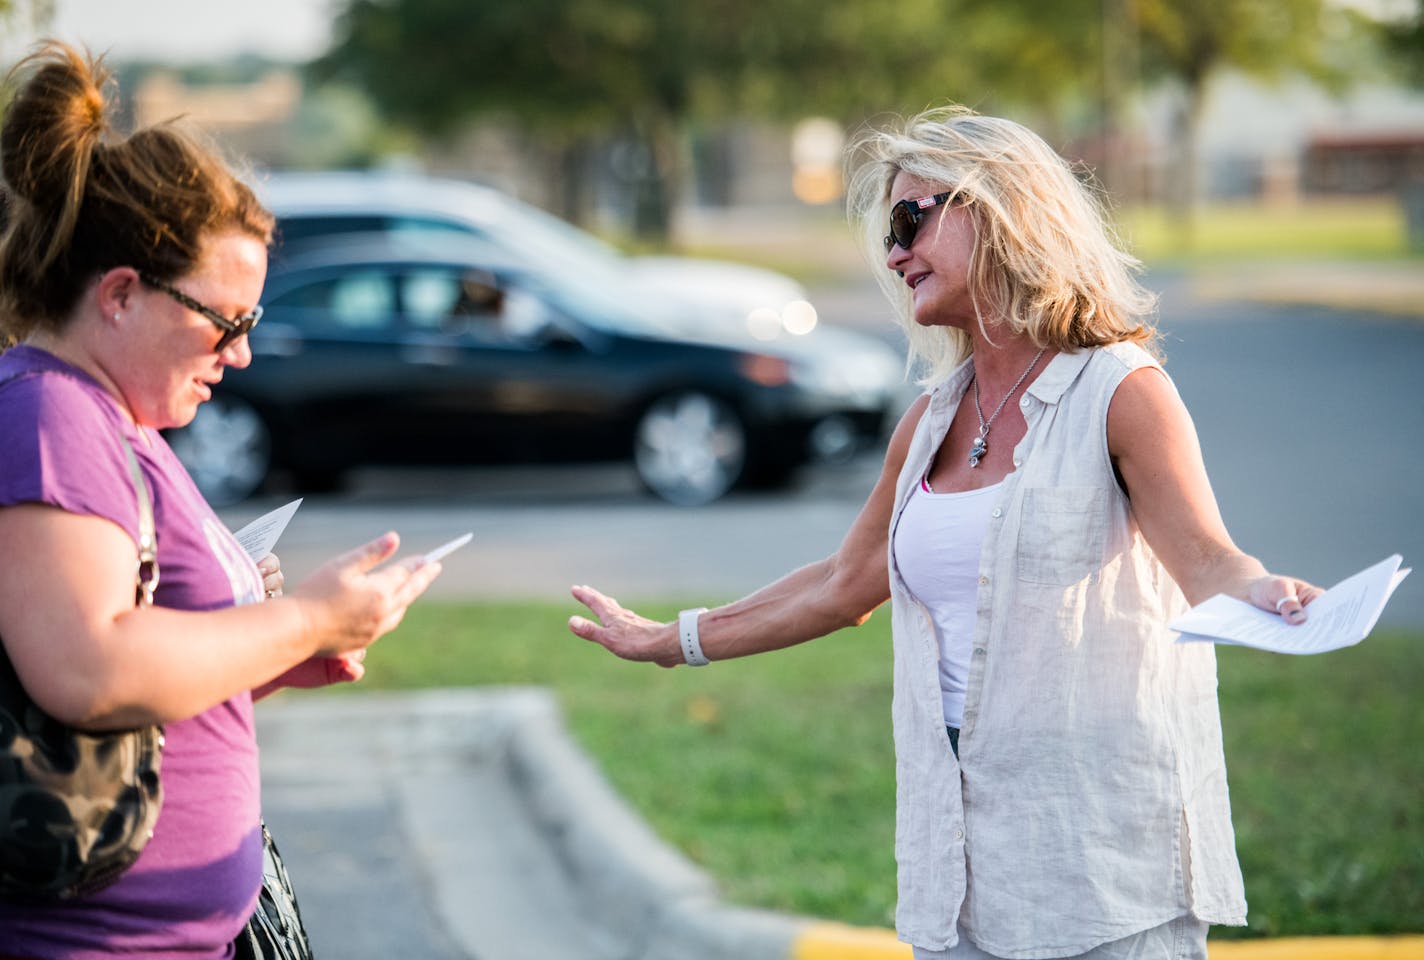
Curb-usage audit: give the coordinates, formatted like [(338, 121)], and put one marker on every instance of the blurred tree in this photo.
[(565, 69), (1405, 39), (570, 71), (1189, 41)]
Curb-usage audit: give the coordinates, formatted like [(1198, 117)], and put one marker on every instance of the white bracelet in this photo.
[(692, 653)]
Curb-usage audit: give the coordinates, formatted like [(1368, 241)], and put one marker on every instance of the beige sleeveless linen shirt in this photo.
[(1090, 799)]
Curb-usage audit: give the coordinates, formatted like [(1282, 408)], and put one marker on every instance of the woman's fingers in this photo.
[(1284, 595), (270, 569), (601, 605), (1288, 605), (619, 630), (370, 555)]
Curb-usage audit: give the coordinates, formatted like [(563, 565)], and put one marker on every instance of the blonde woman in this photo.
[(1042, 514)]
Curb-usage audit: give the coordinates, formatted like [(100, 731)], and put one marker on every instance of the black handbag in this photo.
[(275, 931), (76, 807)]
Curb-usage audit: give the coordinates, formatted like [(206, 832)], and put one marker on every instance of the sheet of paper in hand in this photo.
[(260, 536), (1340, 617)]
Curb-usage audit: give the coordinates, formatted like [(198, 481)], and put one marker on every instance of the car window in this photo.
[(363, 300), (472, 304), (430, 297)]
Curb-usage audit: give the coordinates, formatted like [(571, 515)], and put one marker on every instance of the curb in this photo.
[(645, 893)]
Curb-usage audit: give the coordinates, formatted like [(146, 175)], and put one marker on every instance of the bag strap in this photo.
[(144, 582)]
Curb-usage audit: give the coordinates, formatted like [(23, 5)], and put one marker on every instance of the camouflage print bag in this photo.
[(76, 807)]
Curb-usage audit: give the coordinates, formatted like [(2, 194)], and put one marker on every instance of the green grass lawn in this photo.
[(1337, 229), (776, 775)]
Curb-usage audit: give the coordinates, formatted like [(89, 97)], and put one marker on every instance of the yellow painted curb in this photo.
[(1320, 948), (838, 941)]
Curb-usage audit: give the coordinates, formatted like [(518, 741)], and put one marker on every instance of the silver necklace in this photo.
[(981, 445)]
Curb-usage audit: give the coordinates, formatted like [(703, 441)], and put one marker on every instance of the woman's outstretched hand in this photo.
[(623, 632)]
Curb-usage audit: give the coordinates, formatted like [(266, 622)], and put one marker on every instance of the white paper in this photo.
[(445, 549), (1340, 617), (260, 536)]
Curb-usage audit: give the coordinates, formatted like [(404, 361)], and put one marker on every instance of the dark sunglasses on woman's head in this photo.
[(231, 328), (905, 218)]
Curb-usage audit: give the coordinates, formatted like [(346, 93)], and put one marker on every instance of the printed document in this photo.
[(260, 536), (1340, 617)]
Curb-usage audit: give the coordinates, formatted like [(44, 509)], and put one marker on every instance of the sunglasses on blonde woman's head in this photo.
[(905, 218), (231, 328)]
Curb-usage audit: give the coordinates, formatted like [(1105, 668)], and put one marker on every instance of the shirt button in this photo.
[(978, 651), (983, 581), (959, 834), (1026, 402), (998, 512)]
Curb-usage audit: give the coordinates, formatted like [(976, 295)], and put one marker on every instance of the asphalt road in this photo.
[(1311, 422)]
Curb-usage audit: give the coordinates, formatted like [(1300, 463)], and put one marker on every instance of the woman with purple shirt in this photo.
[(130, 271)]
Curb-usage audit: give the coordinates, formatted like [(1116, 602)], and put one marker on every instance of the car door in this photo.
[(326, 356), (505, 376)]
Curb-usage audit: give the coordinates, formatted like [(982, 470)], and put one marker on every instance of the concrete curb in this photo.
[(529, 852), (645, 893)]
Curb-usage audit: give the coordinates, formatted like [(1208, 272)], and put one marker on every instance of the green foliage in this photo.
[(1405, 41), (1188, 40), (776, 773)]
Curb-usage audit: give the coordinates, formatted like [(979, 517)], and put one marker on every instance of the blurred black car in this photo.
[(390, 350)]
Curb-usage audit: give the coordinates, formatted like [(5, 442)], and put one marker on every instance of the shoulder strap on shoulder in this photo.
[(146, 577)]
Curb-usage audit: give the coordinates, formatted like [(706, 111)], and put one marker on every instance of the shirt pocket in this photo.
[(1063, 533)]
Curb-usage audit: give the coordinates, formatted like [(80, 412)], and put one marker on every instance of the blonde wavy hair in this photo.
[(1045, 263)]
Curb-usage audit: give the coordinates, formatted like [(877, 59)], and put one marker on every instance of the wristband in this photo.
[(692, 653)]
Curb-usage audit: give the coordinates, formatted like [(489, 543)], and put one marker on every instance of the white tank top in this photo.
[(937, 545)]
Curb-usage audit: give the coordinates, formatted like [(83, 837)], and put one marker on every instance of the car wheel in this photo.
[(690, 448), (227, 450)]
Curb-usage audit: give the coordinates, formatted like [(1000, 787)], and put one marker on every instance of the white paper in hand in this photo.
[(1340, 617), (445, 549), (259, 537)]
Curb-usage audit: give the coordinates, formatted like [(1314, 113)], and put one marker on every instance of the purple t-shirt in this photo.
[(195, 885)]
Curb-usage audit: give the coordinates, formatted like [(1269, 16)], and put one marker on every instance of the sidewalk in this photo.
[(466, 825)]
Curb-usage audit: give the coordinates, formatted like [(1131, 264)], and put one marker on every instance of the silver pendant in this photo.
[(977, 451)]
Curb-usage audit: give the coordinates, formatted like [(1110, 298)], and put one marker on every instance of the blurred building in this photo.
[(252, 119), (1363, 163), (1278, 142)]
